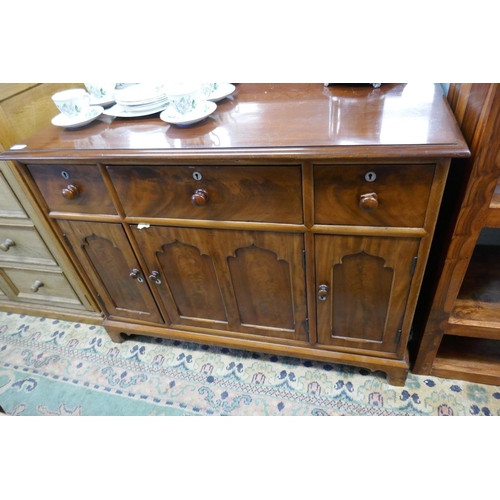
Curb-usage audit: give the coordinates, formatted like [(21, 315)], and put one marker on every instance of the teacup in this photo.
[(184, 97), (101, 91), (72, 102)]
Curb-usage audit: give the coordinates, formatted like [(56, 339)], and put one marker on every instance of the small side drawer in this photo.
[(372, 195), (49, 288), (22, 244), (73, 188), (255, 193)]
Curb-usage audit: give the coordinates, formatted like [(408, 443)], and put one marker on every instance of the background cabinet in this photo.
[(36, 275), (458, 332)]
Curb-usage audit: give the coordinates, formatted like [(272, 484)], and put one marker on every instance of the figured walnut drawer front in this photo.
[(375, 195), (260, 194), (73, 188), (23, 244)]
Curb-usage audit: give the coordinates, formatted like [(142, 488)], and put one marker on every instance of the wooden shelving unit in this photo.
[(457, 330), (465, 358)]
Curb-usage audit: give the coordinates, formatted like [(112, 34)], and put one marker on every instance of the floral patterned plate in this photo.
[(119, 111)]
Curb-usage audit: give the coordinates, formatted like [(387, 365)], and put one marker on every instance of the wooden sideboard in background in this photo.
[(36, 276)]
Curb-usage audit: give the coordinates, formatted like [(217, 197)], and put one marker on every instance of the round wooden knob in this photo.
[(7, 244), (199, 198), (70, 192), (36, 286), (368, 202)]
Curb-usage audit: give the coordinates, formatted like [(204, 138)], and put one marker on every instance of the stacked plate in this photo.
[(139, 100)]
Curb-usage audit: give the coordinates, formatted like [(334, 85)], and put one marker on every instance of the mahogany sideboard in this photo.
[(295, 220)]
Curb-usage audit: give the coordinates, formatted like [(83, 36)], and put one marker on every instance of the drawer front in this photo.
[(260, 194), (372, 195), (73, 188), (35, 286), (9, 204), (22, 244)]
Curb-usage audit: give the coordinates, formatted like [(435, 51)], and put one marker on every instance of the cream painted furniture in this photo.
[(36, 276)]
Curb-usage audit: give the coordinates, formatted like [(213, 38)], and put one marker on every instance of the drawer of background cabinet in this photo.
[(9, 204), (372, 195), (260, 194), (23, 244), (51, 288), (73, 188)]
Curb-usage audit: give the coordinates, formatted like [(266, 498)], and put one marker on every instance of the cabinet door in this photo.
[(247, 282), (106, 255), (362, 286)]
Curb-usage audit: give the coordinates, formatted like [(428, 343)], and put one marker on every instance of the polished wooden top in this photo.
[(288, 120)]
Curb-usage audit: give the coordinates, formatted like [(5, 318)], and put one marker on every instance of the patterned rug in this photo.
[(51, 367)]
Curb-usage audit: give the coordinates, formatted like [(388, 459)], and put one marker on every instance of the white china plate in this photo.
[(142, 93), (170, 115), (104, 101), (223, 90), (120, 112), (145, 107), (79, 121)]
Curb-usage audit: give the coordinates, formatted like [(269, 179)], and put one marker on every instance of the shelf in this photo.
[(493, 214), (471, 359), (478, 303), (495, 199)]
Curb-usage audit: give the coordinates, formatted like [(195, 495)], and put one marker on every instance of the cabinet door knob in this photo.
[(323, 292), (7, 244), (36, 286), (70, 192), (155, 277), (368, 202), (199, 198)]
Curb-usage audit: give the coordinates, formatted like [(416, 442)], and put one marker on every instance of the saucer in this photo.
[(223, 90), (78, 121), (170, 115), (103, 101)]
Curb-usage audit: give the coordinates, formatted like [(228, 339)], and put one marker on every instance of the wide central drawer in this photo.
[(256, 193)]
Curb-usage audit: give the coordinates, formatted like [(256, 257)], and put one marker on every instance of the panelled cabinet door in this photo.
[(248, 282), (362, 286), (106, 255)]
